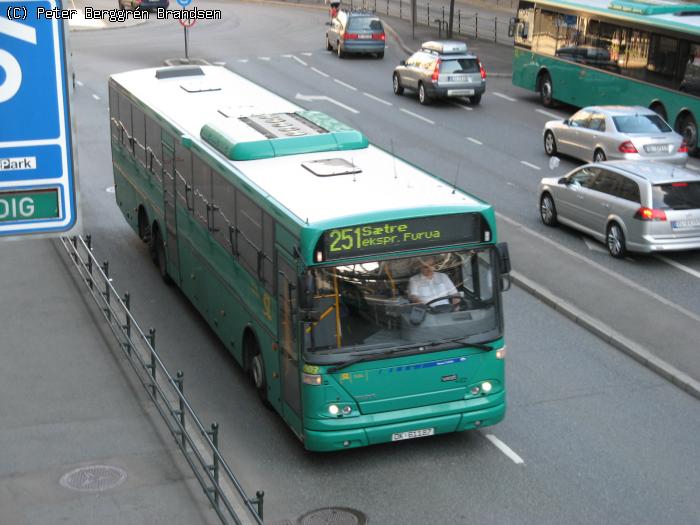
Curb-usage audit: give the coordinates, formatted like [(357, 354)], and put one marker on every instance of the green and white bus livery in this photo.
[(303, 246)]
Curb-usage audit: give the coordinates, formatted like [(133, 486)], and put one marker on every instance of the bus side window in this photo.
[(114, 114), (222, 213), (153, 151), (125, 121), (183, 175), (201, 190), (250, 235), (138, 145), (268, 247)]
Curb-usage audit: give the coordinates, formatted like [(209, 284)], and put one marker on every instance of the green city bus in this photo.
[(629, 52), (307, 250)]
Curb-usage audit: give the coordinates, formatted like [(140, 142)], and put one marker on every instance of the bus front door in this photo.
[(169, 203), (287, 336)]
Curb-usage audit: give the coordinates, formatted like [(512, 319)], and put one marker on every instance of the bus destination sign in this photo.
[(409, 234)]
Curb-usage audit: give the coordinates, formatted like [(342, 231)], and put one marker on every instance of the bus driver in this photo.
[(429, 285)]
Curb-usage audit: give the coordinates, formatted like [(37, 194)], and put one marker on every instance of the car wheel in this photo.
[(615, 240), (548, 211), (546, 90), (398, 88), (380, 55), (689, 130), (550, 143), (341, 53), (599, 156), (474, 100), (423, 97), (329, 47)]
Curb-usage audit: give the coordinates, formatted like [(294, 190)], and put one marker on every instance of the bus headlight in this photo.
[(311, 379), (501, 353), (486, 387), (333, 410), (346, 410)]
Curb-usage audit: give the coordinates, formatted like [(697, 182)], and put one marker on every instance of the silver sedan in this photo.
[(601, 133)]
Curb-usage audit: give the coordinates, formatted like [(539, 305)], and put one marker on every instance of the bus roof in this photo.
[(677, 16), (317, 182)]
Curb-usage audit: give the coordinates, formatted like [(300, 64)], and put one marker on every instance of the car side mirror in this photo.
[(403, 63), (328, 24), (566, 122), (564, 181)]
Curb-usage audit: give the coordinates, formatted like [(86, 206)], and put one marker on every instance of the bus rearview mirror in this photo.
[(503, 258)]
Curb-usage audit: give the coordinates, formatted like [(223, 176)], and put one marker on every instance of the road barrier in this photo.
[(199, 446)]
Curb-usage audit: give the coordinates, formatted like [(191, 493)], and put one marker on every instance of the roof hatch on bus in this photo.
[(651, 7), (270, 135), (331, 167)]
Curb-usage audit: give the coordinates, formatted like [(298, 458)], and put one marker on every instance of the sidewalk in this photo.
[(66, 405)]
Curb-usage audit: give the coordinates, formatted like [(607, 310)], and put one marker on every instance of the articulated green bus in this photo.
[(629, 52), (362, 295)]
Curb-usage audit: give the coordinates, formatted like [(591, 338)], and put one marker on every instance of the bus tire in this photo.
[(615, 240), (550, 143), (256, 367), (546, 89), (689, 129), (659, 109), (160, 259), (144, 226)]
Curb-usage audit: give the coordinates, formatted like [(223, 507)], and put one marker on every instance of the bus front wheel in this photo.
[(546, 90), (689, 130), (256, 367)]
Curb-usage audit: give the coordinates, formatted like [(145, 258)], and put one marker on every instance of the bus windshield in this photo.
[(384, 304)]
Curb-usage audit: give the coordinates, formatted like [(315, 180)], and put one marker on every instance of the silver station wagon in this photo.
[(442, 68), (628, 205), (601, 133)]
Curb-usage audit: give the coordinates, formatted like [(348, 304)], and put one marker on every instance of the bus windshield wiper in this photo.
[(420, 347)]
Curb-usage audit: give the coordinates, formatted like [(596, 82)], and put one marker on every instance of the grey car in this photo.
[(601, 133), (628, 205), (356, 32), (442, 68)]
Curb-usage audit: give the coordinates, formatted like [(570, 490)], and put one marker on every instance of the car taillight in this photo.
[(649, 214), (350, 36), (436, 71), (378, 36), (683, 148), (482, 71), (627, 147)]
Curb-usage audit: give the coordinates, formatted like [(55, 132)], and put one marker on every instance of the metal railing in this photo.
[(198, 445)]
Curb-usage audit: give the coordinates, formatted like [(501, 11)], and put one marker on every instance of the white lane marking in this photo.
[(299, 60), (549, 114), (219, 63), (79, 83), (680, 266), (511, 99), (344, 84), (307, 54), (327, 99), (320, 72), (593, 245), (417, 116), (530, 165), (691, 167), (500, 445), (460, 106), (243, 60), (95, 97), (266, 59), (287, 56), (377, 99), (477, 142), (600, 268)]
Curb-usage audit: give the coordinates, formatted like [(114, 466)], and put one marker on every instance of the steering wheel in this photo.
[(443, 308)]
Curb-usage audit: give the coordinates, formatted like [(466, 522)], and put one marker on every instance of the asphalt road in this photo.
[(602, 439)]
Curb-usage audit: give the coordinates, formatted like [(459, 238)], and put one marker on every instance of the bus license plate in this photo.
[(411, 434)]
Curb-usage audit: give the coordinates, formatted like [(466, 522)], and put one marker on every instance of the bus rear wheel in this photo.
[(545, 88), (159, 256), (659, 109), (689, 130)]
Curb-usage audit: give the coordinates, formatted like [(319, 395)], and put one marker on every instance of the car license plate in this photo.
[(365, 37), (656, 148), (458, 78), (459, 92), (687, 223), (411, 434)]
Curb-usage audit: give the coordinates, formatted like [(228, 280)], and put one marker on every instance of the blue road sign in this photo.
[(36, 154)]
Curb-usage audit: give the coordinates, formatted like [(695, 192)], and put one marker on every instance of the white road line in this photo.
[(593, 246), (549, 114), (477, 142), (460, 106), (79, 83), (307, 54), (500, 445), (691, 167), (95, 97), (299, 60), (680, 266), (219, 63), (600, 268), (287, 56), (242, 60), (344, 84), (266, 59), (377, 99), (417, 116), (511, 99), (530, 165), (320, 72)]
